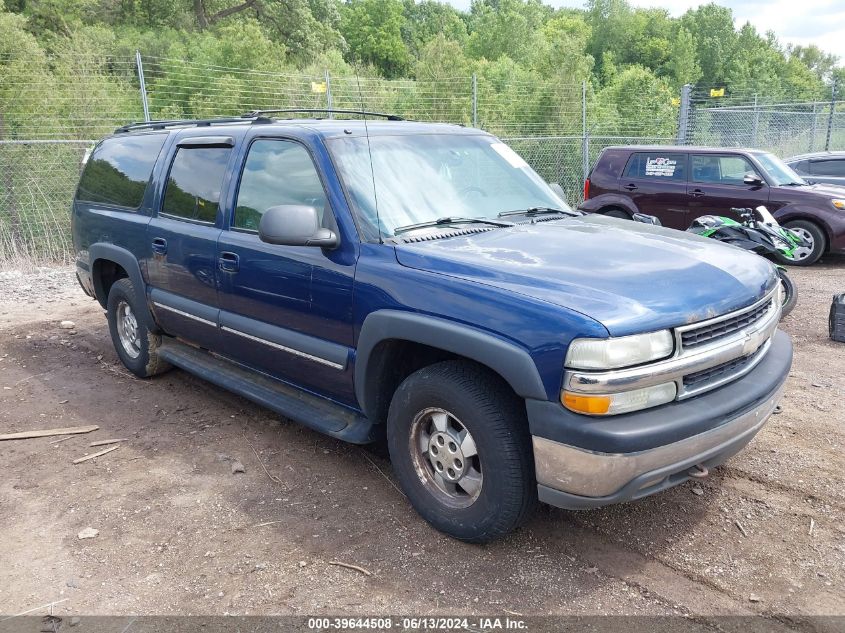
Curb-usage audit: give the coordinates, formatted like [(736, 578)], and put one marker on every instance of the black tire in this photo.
[(139, 353), (816, 234), (790, 292), (484, 405), (615, 212)]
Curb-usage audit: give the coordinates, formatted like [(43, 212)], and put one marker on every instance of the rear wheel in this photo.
[(790, 295), (136, 346), (459, 443), (805, 255)]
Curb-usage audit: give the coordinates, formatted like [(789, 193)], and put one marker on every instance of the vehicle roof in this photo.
[(823, 154), (323, 128), (685, 148)]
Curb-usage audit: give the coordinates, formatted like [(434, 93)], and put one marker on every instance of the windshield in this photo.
[(779, 172), (421, 178)]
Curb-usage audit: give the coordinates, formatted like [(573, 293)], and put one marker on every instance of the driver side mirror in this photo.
[(295, 225), (753, 180)]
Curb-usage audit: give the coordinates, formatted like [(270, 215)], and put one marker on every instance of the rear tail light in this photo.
[(587, 189)]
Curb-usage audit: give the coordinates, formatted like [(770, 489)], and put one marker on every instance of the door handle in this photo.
[(160, 246), (630, 187), (228, 262), (696, 193)]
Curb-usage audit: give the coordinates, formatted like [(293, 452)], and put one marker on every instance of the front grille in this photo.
[(720, 329), (718, 372)]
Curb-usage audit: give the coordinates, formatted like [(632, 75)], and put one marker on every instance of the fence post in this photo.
[(830, 118), (474, 100), (756, 124), (143, 85), (329, 94), (684, 114), (812, 147), (585, 139)]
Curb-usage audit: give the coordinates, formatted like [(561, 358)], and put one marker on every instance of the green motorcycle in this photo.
[(760, 233)]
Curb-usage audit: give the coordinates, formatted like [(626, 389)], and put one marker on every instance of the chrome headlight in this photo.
[(622, 351)]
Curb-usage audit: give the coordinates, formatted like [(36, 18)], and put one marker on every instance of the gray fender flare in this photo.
[(511, 362), (127, 261)]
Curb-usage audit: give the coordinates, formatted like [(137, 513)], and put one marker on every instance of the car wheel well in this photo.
[(105, 273), (392, 361), (616, 212)]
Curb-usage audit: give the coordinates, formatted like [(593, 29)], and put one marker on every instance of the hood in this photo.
[(819, 190), (631, 277)]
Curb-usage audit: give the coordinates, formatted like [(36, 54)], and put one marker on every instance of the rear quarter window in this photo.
[(657, 166), (119, 169)]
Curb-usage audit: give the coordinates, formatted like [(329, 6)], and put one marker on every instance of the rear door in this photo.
[(716, 185), (182, 239), (656, 182)]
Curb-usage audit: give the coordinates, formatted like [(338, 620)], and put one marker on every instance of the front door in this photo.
[(286, 310), (183, 240), (716, 185), (657, 184)]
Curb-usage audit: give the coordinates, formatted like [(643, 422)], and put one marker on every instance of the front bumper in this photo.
[(631, 456)]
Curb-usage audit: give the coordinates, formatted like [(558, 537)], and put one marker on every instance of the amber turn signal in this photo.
[(580, 403)]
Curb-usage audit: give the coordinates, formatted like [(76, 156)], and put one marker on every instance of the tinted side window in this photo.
[(119, 169), (277, 172), (723, 170), (193, 187), (657, 165), (832, 167), (802, 167)]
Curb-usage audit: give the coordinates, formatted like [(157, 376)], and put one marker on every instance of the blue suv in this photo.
[(419, 282)]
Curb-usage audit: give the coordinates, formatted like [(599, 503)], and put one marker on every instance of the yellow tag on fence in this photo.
[(318, 86)]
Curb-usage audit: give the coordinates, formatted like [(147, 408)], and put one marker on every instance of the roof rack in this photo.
[(161, 125), (263, 113), (257, 116)]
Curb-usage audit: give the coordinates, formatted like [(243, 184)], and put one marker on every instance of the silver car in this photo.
[(828, 167)]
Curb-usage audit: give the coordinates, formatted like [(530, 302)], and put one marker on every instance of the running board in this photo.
[(307, 409)]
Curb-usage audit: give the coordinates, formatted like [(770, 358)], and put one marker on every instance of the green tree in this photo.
[(683, 65), (713, 28), (505, 28), (373, 30), (426, 20), (636, 103)]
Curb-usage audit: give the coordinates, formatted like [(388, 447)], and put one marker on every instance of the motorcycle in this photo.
[(759, 232)]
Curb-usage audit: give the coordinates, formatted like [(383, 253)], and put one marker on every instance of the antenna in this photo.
[(370, 153)]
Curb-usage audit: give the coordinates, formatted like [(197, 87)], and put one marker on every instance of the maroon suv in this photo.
[(679, 183)]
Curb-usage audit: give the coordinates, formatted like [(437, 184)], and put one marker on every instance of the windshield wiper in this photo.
[(793, 184), (447, 220), (532, 211)]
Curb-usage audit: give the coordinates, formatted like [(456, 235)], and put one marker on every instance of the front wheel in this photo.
[(459, 443), (790, 294), (809, 254)]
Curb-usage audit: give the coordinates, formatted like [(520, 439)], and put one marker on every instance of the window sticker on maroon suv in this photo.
[(660, 166), (657, 166)]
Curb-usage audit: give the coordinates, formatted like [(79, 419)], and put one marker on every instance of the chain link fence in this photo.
[(49, 109), (746, 119)]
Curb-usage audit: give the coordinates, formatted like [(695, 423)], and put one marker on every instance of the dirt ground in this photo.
[(180, 533)]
